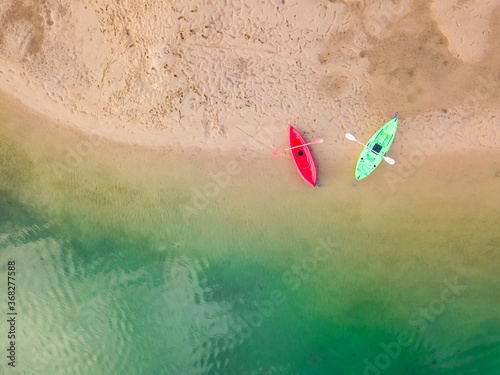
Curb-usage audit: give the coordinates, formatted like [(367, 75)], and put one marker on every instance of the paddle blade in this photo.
[(276, 152), (320, 140), (389, 160), (350, 137)]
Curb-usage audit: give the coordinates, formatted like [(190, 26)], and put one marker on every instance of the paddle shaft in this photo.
[(305, 144), (362, 144)]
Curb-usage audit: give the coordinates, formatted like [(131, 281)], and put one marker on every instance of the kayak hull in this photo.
[(380, 142), (302, 157)]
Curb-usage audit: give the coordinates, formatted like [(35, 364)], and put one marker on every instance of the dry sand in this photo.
[(232, 74)]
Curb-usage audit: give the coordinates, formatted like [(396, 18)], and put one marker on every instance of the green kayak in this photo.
[(379, 143)]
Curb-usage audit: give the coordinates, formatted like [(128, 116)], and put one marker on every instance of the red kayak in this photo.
[(302, 157)]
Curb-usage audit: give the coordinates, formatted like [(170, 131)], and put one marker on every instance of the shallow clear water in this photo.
[(124, 268)]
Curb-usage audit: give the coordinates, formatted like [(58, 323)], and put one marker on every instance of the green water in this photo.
[(114, 277)]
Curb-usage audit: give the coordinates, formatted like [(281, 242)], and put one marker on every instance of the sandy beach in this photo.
[(232, 75)]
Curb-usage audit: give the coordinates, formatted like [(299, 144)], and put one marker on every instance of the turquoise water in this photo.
[(114, 277)]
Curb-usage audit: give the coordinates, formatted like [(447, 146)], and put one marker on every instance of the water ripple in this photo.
[(87, 317)]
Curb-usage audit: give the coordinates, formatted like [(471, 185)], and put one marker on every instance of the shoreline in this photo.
[(64, 150), (481, 137)]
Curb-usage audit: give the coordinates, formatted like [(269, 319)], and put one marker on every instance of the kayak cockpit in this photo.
[(377, 148)]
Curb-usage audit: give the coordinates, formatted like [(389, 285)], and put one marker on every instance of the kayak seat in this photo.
[(377, 148)]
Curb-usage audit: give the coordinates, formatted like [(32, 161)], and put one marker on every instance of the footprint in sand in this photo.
[(466, 25)]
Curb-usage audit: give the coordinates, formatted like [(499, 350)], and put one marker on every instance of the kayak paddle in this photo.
[(279, 151), (350, 137)]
